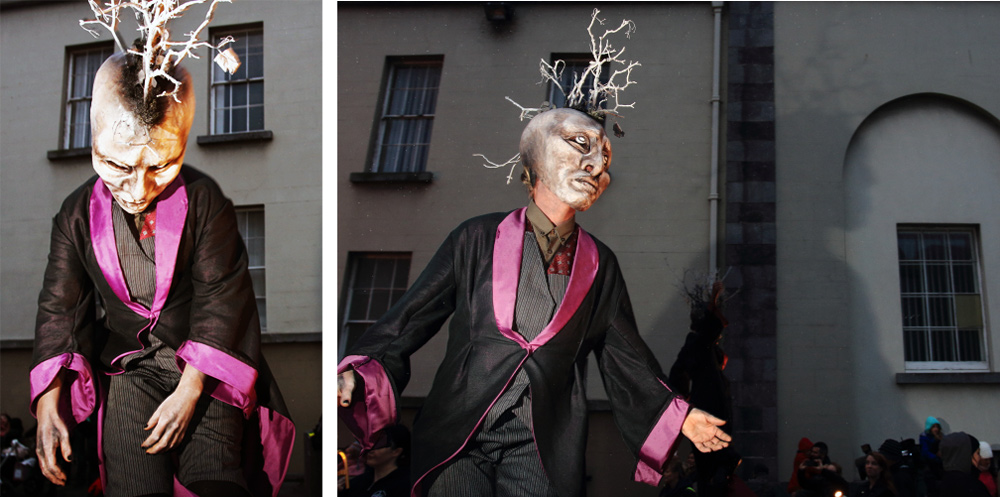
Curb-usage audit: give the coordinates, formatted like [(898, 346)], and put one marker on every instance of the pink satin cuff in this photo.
[(277, 435), (660, 443), (378, 410), (236, 379), (82, 392)]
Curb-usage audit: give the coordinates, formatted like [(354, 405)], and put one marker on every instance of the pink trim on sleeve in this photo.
[(82, 392), (236, 379), (378, 411), (277, 436), (660, 443)]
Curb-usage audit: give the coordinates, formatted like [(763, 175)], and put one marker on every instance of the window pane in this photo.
[(256, 91), (239, 94), (239, 123), (915, 345), (402, 273), (934, 247), (909, 246), (380, 303), (913, 311), (257, 118), (940, 309), (911, 278), (383, 273), (259, 279), (359, 304), (942, 345), (221, 121), (964, 276), (938, 278), (970, 345), (255, 248), (961, 246)]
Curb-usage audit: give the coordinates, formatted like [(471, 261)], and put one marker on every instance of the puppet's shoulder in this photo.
[(200, 185), (480, 226)]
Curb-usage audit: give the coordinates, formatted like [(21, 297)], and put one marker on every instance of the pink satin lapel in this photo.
[(507, 268), (171, 210), (506, 271)]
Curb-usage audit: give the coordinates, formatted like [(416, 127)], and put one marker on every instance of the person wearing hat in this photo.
[(960, 456), (986, 473)]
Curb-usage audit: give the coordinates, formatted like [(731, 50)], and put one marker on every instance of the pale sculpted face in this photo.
[(135, 161), (571, 156)]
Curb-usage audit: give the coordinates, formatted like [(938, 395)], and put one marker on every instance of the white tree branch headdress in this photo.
[(158, 52), (600, 101)]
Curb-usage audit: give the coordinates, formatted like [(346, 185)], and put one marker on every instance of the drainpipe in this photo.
[(713, 196)]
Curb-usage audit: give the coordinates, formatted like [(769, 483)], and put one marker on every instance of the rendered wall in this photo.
[(835, 64)]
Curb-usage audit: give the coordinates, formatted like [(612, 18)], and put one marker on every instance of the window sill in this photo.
[(367, 177), (68, 153), (947, 378), (249, 136), (276, 337)]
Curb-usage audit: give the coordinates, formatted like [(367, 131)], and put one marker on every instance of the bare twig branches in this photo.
[(512, 162), (603, 98), (700, 288), (160, 53)]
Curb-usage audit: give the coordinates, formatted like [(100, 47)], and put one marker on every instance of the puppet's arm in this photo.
[(61, 376), (377, 367)]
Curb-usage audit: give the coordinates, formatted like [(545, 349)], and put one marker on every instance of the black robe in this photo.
[(205, 309), (481, 359)]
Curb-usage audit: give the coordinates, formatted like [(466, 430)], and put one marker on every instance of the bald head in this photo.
[(138, 143), (570, 153)]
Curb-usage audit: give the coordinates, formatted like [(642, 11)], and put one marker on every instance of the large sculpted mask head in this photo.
[(568, 152), (138, 144)]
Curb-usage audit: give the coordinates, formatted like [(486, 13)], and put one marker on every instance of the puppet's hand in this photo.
[(703, 430), (170, 420), (345, 388), (52, 434)]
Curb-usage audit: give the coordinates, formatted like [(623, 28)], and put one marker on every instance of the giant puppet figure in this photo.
[(185, 401), (530, 295)]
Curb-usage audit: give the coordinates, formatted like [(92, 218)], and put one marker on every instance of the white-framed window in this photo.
[(374, 282), (81, 66), (238, 99), (407, 116), (250, 222), (576, 64), (942, 298)]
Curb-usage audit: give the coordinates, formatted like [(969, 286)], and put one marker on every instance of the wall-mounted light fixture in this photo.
[(498, 12)]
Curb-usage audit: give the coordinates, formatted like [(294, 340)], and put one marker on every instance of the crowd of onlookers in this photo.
[(938, 465), (935, 465)]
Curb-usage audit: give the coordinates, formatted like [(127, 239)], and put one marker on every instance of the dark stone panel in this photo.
[(758, 171), (758, 73), (759, 277), (734, 169), (756, 55), (750, 255), (751, 130), (762, 212)]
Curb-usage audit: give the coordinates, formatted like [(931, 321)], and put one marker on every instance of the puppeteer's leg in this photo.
[(501, 461), (133, 396), (210, 457)]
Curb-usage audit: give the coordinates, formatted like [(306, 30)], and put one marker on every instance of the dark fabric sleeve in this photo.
[(64, 326), (65, 318), (415, 318), (646, 412)]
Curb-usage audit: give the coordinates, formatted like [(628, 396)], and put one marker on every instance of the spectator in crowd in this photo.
[(389, 461), (805, 445), (987, 473), (930, 439), (819, 477), (959, 457), (877, 482), (677, 483), (902, 465)]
